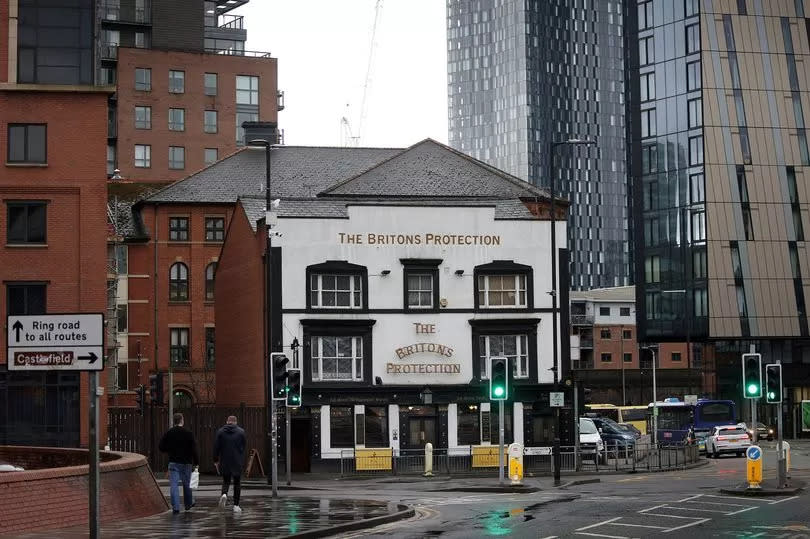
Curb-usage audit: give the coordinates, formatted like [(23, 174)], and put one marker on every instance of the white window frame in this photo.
[(420, 291), (317, 358), (175, 88), (210, 150), (177, 119), (144, 122), (519, 361), (520, 287), (355, 290)]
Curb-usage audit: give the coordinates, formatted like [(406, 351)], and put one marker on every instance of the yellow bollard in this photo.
[(754, 466), (428, 460), (516, 463)]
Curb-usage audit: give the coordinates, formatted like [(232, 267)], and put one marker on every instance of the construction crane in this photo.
[(348, 138)]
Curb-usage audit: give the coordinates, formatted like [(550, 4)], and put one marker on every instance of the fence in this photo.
[(130, 431), (536, 461)]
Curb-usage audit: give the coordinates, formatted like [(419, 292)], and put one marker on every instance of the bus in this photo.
[(676, 418), (635, 415)]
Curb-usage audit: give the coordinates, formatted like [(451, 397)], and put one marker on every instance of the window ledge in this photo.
[(215, 242), (27, 245), (26, 165), (179, 302), (209, 302), (181, 242)]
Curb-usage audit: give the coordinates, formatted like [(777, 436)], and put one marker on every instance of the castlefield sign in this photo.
[(440, 350), (427, 238)]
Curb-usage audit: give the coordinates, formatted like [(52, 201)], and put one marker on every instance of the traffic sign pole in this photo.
[(500, 442), (93, 472)]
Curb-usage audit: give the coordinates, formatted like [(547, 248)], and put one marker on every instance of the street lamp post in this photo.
[(655, 397)]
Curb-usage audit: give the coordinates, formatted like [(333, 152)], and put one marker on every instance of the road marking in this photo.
[(670, 516), (738, 498), (701, 521), (689, 498), (696, 509), (651, 508), (719, 503), (743, 510), (638, 525), (549, 537), (603, 535), (598, 524), (783, 500)]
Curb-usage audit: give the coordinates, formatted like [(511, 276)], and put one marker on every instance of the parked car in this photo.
[(590, 443), (613, 436), (6, 467), (628, 427), (763, 431), (727, 439), (701, 437)]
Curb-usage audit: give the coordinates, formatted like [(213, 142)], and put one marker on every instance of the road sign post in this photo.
[(753, 457)]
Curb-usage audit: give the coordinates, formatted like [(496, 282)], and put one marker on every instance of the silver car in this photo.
[(727, 439)]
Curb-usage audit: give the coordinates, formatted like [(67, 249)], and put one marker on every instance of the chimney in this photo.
[(264, 131)]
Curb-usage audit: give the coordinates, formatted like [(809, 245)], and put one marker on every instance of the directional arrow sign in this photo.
[(72, 341)]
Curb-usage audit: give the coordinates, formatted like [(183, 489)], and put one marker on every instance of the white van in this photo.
[(590, 442)]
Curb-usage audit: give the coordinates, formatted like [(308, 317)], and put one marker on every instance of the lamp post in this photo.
[(273, 435), (688, 315), (655, 396)]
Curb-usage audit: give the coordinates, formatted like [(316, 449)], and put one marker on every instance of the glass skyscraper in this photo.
[(525, 73)]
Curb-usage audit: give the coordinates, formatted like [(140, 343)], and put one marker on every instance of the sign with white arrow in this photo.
[(46, 342)]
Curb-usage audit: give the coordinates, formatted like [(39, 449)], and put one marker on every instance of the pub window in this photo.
[(178, 228), (178, 282), (27, 143), (336, 291), (513, 347), (542, 429), (502, 290), (25, 298), (376, 428), (210, 269), (337, 358), (214, 228), (469, 424), (341, 426), (27, 222), (178, 347), (421, 283)]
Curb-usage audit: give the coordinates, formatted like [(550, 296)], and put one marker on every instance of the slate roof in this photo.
[(430, 168), (295, 171)]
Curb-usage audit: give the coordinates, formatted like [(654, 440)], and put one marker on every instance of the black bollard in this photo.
[(555, 453)]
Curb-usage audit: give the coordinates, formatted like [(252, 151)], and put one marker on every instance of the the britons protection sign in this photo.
[(45, 342)]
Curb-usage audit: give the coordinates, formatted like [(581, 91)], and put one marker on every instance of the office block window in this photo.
[(25, 298), (624, 311), (247, 90), (696, 150), (143, 117), (692, 38), (604, 311), (210, 83), (645, 15), (242, 117), (692, 7), (649, 159), (699, 226), (177, 81), (143, 156), (648, 127), (646, 50), (693, 76), (699, 265), (143, 79), (177, 119), (27, 143), (210, 121), (177, 157), (27, 222), (652, 269), (697, 189), (695, 108), (647, 86)]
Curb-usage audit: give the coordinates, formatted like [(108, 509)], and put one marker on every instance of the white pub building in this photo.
[(392, 286)]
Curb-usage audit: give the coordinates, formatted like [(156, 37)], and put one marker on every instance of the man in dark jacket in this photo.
[(229, 457), (179, 443)]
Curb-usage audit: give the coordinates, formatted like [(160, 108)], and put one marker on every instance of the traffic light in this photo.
[(140, 399), (294, 385), (279, 373), (773, 383), (156, 388), (752, 376), (498, 378)]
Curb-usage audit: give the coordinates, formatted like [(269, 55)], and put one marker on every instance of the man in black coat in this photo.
[(179, 443), (229, 457)]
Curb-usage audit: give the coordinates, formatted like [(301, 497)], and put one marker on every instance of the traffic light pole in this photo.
[(500, 442), (288, 459), (781, 463), (754, 421)]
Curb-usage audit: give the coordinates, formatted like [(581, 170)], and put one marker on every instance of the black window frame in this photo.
[(340, 442), (212, 232), (26, 287), (676, 357), (686, 30), (180, 354), (333, 327), (421, 266), (376, 424), (176, 231), (606, 357), (693, 84), (604, 311), (122, 317), (210, 347), (624, 311), (178, 284), (209, 282), (627, 334), (26, 159), (28, 205), (504, 267), (340, 268), (471, 413), (507, 326)]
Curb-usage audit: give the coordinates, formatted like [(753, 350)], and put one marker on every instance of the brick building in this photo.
[(52, 216)]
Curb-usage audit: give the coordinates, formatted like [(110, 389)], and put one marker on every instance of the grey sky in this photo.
[(322, 48)]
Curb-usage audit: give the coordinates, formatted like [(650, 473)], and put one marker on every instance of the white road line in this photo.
[(701, 521), (782, 500), (738, 498), (722, 503), (549, 537), (637, 525), (598, 524), (651, 508), (744, 510), (689, 498), (603, 535), (696, 509), (670, 516)]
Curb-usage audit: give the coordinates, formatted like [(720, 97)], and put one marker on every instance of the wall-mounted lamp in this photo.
[(385, 273), (459, 273)]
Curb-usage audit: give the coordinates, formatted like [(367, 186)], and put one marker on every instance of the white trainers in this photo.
[(222, 501), (237, 509)]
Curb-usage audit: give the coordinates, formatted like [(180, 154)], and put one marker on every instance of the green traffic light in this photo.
[(752, 389), (498, 391)]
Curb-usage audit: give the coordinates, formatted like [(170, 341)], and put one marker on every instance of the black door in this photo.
[(301, 440)]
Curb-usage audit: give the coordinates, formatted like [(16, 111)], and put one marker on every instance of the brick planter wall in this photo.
[(53, 491)]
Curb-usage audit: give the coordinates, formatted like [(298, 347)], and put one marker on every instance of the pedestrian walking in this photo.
[(229, 458), (179, 443)]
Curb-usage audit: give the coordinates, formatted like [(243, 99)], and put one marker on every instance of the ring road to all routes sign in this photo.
[(55, 342), (754, 466)]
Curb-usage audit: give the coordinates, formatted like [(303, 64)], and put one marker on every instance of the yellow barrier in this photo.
[(373, 459), (486, 456)]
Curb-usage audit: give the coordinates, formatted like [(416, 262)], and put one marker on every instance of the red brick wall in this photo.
[(617, 347), (194, 101), (239, 308), (58, 497), (74, 183)]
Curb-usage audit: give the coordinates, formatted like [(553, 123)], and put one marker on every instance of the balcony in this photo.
[(280, 100), (237, 52), (232, 22), (109, 51), (126, 11), (581, 319)]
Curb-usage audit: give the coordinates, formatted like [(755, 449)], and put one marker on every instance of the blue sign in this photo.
[(754, 453)]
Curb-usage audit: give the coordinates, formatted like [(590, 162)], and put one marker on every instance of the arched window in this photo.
[(182, 399), (178, 282), (209, 281)]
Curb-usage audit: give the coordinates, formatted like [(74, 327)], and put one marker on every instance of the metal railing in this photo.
[(581, 319), (614, 457), (127, 13), (236, 52), (232, 22)]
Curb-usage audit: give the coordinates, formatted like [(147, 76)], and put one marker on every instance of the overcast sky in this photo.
[(323, 48)]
